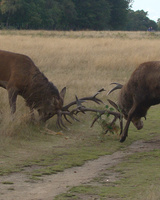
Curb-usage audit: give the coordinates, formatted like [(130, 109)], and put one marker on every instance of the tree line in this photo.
[(73, 15)]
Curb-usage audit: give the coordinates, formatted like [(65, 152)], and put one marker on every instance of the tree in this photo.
[(158, 24), (69, 15), (119, 11), (130, 3), (9, 7), (51, 14), (100, 15), (73, 15), (92, 14), (138, 20)]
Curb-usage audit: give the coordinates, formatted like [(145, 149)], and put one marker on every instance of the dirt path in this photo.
[(52, 185)]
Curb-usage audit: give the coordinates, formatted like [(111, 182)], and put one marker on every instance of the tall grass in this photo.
[(82, 61)]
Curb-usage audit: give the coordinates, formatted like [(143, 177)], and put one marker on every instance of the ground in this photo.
[(18, 186)]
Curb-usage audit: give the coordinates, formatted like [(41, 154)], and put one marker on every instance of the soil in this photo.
[(23, 188)]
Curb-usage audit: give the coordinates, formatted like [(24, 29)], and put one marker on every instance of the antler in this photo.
[(81, 108), (91, 98), (65, 113), (65, 110), (117, 115), (118, 86)]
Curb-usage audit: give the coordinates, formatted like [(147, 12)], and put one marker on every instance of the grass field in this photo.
[(84, 62)]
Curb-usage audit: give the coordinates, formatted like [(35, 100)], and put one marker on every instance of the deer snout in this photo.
[(45, 114), (138, 124)]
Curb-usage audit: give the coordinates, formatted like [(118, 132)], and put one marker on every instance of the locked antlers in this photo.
[(80, 108)]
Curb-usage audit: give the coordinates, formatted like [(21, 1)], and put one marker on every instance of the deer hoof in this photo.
[(123, 138)]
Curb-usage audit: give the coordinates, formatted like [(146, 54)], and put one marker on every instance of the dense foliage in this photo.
[(139, 21), (72, 15)]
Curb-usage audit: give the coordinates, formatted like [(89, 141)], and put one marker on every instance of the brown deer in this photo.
[(20, 76), (140, 92)]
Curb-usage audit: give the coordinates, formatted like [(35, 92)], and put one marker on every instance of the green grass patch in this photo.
[(7, 183), (31, 148), (139, 177)]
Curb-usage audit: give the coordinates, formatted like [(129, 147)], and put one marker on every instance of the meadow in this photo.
[(84, 62)]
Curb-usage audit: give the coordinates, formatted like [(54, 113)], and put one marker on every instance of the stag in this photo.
[(20, 76), (140, 93)]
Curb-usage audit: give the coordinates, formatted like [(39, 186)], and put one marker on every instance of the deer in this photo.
[(20, 76), (136, 96)]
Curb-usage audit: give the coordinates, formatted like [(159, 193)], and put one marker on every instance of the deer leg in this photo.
[(12, 95), (130, 115)]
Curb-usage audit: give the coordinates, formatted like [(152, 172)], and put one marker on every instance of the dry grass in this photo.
[(82, 61)]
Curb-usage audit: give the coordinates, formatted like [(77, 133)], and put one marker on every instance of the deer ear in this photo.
[(63, 92)]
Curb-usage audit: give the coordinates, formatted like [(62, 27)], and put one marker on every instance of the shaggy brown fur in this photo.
[(20, 76), (140, 92)]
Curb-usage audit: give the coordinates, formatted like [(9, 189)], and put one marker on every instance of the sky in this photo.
[(150, 6)]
